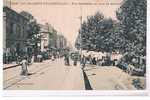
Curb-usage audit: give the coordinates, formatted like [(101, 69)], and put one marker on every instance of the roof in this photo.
[(5, 9)]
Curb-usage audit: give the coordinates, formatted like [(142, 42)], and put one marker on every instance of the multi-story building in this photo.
[(52, 38), (44, 31), (61, 42), (14, 31), (48, 37)]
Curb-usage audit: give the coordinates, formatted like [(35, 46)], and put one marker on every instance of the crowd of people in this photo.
[(28, 58), (93, 59)]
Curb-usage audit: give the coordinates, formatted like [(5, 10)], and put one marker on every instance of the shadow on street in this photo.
[(86, 82)]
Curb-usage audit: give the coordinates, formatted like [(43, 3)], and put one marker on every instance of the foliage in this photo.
[(132, 15), (128, 35), (33, 30), (96, 34)]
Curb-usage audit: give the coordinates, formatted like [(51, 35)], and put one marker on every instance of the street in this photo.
[(48, 75), (54, 75)]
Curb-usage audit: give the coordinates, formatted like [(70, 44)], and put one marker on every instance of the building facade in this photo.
[(14, 31), (52, 38), (61, 42), (44, 31)]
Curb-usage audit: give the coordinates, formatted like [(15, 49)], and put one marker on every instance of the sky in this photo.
[(63, 15)]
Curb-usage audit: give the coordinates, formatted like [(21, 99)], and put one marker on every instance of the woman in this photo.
[(24, 64)]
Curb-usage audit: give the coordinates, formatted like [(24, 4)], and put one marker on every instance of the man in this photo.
[(94, 61), (67, 59), (7, 54), (39, 57), (83, 61), (75, 60)]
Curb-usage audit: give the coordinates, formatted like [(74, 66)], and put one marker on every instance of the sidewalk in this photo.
[(11, 65), (107, 78)]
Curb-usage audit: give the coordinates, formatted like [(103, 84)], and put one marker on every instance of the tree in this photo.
[(94, 33), (132, 15), (33, 30), (127, 35)]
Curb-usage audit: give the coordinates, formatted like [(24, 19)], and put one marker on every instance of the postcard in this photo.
[(78, 46)]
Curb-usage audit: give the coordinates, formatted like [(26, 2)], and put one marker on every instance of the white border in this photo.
[(38, 93), (23, 93), (1, 47), (148, 48)]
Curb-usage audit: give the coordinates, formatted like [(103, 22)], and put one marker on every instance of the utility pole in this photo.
[(80, 16), (80, 33)]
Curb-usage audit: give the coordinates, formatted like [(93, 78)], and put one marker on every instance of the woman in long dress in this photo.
[(24, 69)]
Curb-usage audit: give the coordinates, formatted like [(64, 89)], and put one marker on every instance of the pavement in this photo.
[(11, 65), (48, 75), (54, 75), (110, 78)]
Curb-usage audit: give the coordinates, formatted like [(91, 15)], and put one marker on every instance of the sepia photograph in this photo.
[(63, 45)]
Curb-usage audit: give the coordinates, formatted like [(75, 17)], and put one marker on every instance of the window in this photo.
[(14, 26), (18, 31)]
